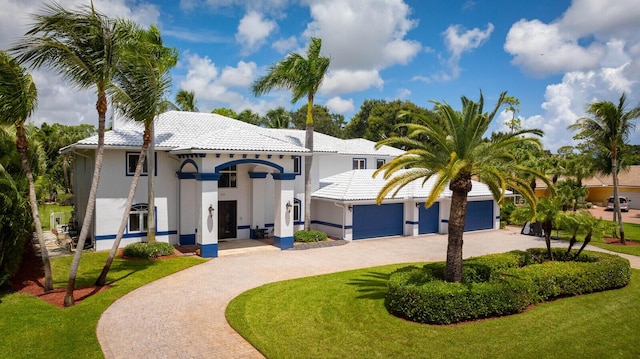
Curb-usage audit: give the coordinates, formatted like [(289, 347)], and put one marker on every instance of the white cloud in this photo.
[(253, 30), (345, 27), (459, 40), (240, 76), (403, 93), (340, 105), (347, 81), (285, 45)]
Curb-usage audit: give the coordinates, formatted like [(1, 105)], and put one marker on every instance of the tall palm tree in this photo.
[(278, 118), (84, 47), (186, 101), (303, 76), (143, 81), (18, 99), (609, 129), (455, 152)]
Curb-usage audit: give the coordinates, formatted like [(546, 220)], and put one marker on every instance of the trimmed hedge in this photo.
[(500, 284), (148, 250), (309, 236)]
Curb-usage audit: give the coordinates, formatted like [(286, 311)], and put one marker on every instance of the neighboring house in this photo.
[(601, 187), (221, 179)]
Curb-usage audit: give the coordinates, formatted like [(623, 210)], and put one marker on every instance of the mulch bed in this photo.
[(616, 242)]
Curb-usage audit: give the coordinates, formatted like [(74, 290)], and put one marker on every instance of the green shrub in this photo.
[(309, 236), (500, 284), (505, 212), (148, 250)]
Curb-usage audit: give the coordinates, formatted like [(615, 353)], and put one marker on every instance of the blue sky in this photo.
[(554, 56)]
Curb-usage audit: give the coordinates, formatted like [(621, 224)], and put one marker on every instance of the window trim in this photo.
[(378, 164), (143, 173), (297, 203), (142, 209), (297, 160), (359, 160), (228, 171)]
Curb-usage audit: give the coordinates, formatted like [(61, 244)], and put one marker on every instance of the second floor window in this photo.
[(359, 164), (228, 177), (132, 162)]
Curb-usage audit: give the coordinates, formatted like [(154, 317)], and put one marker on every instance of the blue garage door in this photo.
[(429, 218), (479, 216), (377, 221)]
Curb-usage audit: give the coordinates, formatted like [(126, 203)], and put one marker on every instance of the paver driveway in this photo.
[(182, 316)]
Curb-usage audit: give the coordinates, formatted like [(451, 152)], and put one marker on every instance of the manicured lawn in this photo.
[(45, 211), (631, 233), (342, 315), (33, 328)]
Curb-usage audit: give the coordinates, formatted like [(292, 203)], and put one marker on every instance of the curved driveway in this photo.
[(183, 315)]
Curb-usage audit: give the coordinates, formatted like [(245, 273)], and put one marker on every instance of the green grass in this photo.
[(45, 211), (33, 328), (631, 233), (342, 315)]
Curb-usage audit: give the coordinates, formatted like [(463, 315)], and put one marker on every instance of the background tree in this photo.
[(608, 130), (357, 126), (323, 120), (227, 112), (456, 152), (143, 81), (18, 99), (513, 106), (186, 101), (303, 76), (280, 118), (84, 47), (251, 117)]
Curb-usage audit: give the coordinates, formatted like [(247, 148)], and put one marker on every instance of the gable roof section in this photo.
[(629, 177), (358, 185), (196, 131)]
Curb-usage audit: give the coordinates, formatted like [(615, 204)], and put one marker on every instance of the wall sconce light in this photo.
[(417, 204), (350, 208), (289, 206), (210, 210)]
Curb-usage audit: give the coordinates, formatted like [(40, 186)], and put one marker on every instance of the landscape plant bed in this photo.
[(500, 284)]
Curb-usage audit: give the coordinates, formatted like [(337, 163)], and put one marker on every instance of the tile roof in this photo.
[(177, 130), (357, 185), (626, 178)]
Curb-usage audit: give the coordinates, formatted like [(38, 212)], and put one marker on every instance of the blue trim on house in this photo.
[(247, 160), (411, 222), (208, 176), (284, 176), (186, 175), (258, 174), (187, 239), (299, 223), (329, 224), (189, 161), (283, 242), (134, 235), (497, 217), (268, 225), (192, 155), (209, 250), (244, 227), (444, 220)]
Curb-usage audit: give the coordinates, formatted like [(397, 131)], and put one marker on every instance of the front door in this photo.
[(227, 219)]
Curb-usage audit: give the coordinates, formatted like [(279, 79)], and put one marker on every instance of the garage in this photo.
[(479, 215), (371, 221), (428, 218)]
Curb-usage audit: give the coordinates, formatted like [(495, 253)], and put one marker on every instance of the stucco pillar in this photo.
[(259, 182), (207, 207), (188, 199), (412, 218), (283, 210)]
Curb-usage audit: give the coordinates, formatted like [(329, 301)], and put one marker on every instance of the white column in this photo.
[(283, 221), (412, 218), (258, 181), (207, 236)]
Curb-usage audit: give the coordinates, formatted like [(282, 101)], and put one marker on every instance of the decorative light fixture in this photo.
[(350, 208), (210, 210), (289, 206), (417, 204)]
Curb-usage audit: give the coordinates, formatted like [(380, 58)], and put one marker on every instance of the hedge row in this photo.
[(500, 284), (148, 250), (309, 236)]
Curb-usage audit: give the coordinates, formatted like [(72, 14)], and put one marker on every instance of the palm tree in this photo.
[(84, 47), (609, 130), (18, 99), (278, 118), (186, 101), (455, 152), (143, 81), (303, 76)]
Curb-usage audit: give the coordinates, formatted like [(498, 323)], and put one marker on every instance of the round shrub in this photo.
[(309, 236), (500, 284), (148, 250)]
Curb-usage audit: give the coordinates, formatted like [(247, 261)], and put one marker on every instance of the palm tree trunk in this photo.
[(22, 145), (151, 170), (308, 142), (547, 226), (616, 196), (101, 106), (587, 239), (125, 216), (457, 216)]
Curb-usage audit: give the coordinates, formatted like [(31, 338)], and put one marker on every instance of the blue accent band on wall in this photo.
[(497, 217), (283, 242), (247, 160), (299, 223), (444, 221), (284, 176), (258, 174), (411, 222), (244, 227), (329, 224), (269, 225), (187, 239), (186, 175), (133, 235), (209, 250), (208, 176)]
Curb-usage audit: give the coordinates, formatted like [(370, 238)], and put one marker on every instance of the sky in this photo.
[(555, 56)]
